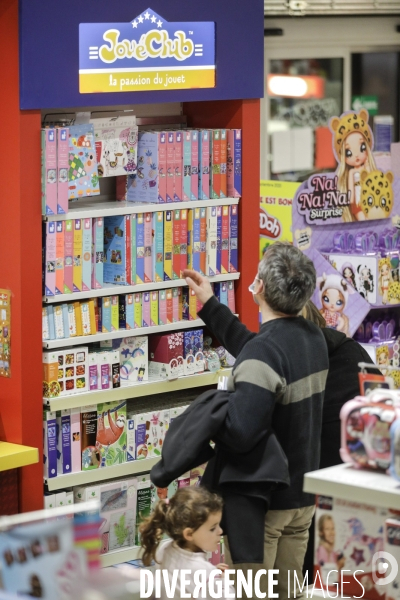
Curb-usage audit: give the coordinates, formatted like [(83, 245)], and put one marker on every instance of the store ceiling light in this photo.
[(293, 86)]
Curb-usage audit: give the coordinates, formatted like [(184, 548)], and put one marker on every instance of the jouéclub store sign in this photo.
[(149, 53)]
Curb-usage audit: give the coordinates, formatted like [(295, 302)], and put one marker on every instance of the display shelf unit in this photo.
[(113, 290), (358, 485), (234, 102), (13, 456), (121, 333), (135, 467), (120, 556), (89, 208), (137, 390)]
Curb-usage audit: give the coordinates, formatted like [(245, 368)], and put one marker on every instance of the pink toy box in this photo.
[(166, 356), (366, 425), (347, 536)]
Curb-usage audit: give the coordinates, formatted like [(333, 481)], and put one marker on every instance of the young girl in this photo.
[(191, 519), (353, 142), (384, 278)]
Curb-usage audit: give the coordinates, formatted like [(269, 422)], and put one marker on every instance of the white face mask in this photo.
[(251, 289)]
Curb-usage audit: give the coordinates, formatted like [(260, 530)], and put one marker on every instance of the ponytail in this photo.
[(152, 531)]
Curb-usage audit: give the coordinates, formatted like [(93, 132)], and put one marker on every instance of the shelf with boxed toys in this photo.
[(82, 477), (93, 208), (136, 390), (221, 106), (121, 333), (130, 289)]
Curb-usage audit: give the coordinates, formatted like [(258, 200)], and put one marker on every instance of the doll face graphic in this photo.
[(355, 150), (348, 273), (385, 270), (383, 359), (332, 300)]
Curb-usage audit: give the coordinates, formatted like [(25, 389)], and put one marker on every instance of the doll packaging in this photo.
[(341, 306), (347, 535)]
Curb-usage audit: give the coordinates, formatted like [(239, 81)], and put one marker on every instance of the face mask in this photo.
[(251, 289)]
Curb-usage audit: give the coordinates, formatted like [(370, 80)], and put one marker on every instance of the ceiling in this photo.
[(330, 7)]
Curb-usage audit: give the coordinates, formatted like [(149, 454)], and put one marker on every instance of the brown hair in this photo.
[(311, 312), (189, 507)]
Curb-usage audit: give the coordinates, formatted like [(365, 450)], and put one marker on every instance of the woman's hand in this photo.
[(199, 284)]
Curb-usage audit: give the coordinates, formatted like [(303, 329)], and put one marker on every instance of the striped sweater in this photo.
[(278, 382)]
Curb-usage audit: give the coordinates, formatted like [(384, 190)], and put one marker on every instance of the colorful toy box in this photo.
[(50, 263), (62, 169), (166, 356), (144, 186), (151, 428), (204, 164), (117, 511), (365, 437), (193, 351), (116, 145), (49, 444), (73, 370), (234, 163), (51, 387), (111, 433), (134, 359), (341, 306), (49, 171), (97, 253), (392, 547), (347, 536), (83, 179), (117, 267)]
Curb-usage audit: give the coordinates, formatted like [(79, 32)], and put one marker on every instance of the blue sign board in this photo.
[(55, 54), (146, 54)]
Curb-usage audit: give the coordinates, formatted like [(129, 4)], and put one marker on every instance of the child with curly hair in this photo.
[(191, 518)]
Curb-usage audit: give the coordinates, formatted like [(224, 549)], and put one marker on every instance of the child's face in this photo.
[(208, 536), (355, 150), (328, 531), (332, 300)]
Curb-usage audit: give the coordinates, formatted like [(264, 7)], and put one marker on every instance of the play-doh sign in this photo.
[(149, 53)]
